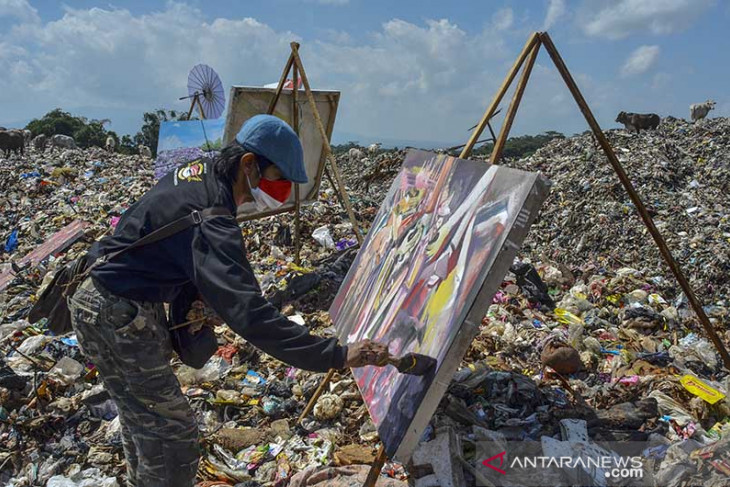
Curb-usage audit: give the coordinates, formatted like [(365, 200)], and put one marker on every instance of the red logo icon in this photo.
[(501, 462)]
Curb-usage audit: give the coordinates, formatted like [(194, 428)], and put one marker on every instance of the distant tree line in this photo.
[(521, 146), (517, 147), (88, 133)]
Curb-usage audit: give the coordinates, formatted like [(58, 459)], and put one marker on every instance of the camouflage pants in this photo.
[(130, 345)]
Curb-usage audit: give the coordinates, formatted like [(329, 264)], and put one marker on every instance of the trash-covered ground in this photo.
[(588, 325)]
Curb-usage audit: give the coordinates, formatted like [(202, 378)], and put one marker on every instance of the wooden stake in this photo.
[(512, 110), (500, 93), (200, 107), (376, 468), (280, 86), (656, 235), (192, 106), (297, 200), (315, 396), (323, 134)]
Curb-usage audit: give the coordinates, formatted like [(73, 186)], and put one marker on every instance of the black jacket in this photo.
[(212, 257)]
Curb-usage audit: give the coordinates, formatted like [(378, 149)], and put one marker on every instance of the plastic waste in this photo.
[(66, 371), (12, 241), (345, 243), (529, 281), (701, 389), (323, 236), (215, 369), (91, 477)]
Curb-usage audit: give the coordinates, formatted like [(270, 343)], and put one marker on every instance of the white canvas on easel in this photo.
[(247, 101)]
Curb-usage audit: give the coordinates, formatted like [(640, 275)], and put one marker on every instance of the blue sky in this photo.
[(420, 71)]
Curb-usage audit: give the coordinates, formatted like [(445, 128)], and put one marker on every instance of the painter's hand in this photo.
[(366, 352)]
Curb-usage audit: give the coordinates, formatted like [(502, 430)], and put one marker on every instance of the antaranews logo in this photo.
[(531, 465), (488, 462)]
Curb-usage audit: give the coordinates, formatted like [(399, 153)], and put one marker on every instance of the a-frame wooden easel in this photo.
[(295, 66), (529, 53)]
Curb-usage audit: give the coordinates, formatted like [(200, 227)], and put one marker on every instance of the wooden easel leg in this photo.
[(509, 117), (466, 152), (280, 86), (328, 149), (200, 107), (297, 199), (192, 106), (376, 468), (315, 396), (611, 155), (334, 186)]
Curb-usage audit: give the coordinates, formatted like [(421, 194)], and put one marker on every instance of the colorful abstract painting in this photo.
[(437, 250), (185, 141)]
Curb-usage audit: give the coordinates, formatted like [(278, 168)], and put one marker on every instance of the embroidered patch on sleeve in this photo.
[(192, 171)]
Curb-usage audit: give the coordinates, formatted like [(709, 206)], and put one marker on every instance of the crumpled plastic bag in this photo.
[(215, 369), (90, 477), (323, 236), (66, 371)]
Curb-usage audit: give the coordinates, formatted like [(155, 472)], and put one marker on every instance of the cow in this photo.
[(355, 154), (144, 151), (62, 141), (374, 148), (698, 111), (27, 136), (638, 121), (39, 142), (11, 140), (110, 144)]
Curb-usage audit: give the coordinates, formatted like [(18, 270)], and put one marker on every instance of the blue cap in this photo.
[(274, 139)]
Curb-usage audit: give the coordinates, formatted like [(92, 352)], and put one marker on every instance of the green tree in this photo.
[(56, 122), (127, 145), (91, 134), (521, 146)]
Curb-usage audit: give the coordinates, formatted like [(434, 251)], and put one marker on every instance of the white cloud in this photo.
[(19, 9), (429, 80), (640, 61), (621, 18), (556, 10), (503, 19)]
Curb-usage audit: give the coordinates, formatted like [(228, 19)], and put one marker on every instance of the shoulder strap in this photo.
[(194, 218)]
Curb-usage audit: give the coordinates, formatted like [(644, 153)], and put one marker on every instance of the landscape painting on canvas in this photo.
[(184, 141), (439, 233)]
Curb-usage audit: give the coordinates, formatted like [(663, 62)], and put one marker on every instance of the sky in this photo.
[(417, 71)]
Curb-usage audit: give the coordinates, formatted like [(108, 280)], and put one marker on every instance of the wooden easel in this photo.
[(529, 53), (295, 66), (195, 101)]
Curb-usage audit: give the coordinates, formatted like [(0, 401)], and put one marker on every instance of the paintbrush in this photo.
[(413, 363)]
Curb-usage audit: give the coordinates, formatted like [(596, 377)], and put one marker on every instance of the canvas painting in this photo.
[(441, 243), (247, 101), (185, 141)]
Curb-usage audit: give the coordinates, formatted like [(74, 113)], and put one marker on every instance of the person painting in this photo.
[(118, 315)]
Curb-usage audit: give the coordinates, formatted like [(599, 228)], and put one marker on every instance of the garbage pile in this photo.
[(682, 173), (588, 331)]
